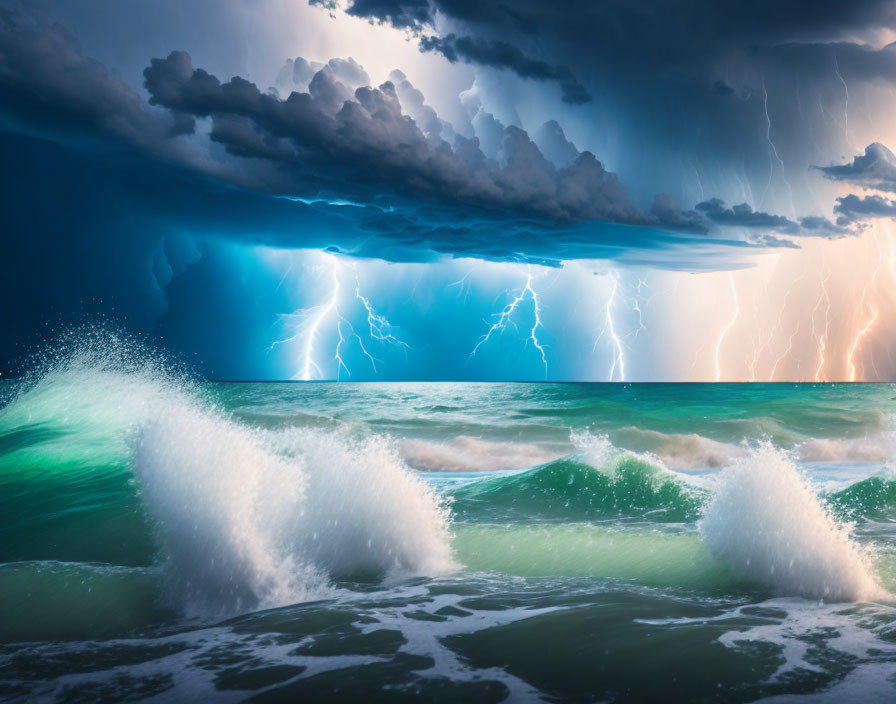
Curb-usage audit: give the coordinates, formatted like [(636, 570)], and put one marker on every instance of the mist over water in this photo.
[(437, 531)]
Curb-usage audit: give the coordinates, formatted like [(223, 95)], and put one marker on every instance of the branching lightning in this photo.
[(850, 359), (773, 150), (506, 318), (310, 321), (636, 305), (609, 329), (845, 100), (822, 340), (728, 327), (870, 321), (380, 328)]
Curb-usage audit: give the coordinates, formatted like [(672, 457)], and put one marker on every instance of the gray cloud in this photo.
[(45, 80), (876, 169), (377, 166), (368, 136), (743, 215), (502, 55), (853, 209)]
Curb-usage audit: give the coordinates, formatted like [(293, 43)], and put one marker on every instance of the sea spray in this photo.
[(249, 518), (769, 524), (243, 517)]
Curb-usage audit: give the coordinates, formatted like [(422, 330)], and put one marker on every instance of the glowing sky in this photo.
[(442, 189)]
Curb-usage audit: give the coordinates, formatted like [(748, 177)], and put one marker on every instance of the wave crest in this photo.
[(598, 482), (768, 523)]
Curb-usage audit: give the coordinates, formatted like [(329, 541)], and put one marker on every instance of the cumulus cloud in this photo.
[(743, 215), (367, 136), (853, 209), (372, 171), (876, 169)]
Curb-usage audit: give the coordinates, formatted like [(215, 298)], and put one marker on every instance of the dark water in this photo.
[(177, 540)]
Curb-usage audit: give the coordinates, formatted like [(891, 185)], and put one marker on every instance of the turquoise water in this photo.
[(165, 537)]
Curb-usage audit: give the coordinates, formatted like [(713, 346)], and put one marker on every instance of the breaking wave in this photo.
[(768, 523), (598, 482), (242, 517)]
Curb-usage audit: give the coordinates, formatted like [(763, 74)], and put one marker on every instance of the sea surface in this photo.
[(171, 539)]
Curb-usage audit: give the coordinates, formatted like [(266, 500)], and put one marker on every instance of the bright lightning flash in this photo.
[(310, 321), (506, 318)]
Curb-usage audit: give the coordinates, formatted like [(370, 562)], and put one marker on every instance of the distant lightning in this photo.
[(850, 359), (845, 99), (636, 305), (311, 320), (728, 327), (463, 286), (771, 376), (785, 300), (822, 340), (506, 318), (380, 328), (773, 150), (869, 323), (609, 329)]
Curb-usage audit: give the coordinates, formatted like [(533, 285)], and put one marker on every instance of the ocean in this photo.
[(172, 539)]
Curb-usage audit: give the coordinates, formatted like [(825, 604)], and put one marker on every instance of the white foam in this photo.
[(248, 518), (469, 454), (680, 450), (765, 519), (244, 518)]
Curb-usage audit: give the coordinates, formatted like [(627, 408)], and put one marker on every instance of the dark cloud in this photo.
[(823, 227), (743, 215), (502, 55), (853, 209), (46, 81), (647, 31), (369, 139), (368, 171), (405, 14), (875, 169)]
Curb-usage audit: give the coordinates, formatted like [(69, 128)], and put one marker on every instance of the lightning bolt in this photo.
[(636, 305), (619, 359), (845, 100), (380, 327), (869, 323), (850, 359), (728, 327), (506, 318), (771, 376), (310, 321), (822, 340), (609, 329), (463, 286), (780, 324), (773, 150)]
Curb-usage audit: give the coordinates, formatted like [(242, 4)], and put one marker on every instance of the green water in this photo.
[(172, 538)]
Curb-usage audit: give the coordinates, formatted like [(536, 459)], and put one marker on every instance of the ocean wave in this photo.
[(768, 523), (465, 453), (874, 447), (650, 557), (243, 517), (51, 600), (872, 498), (251, 519), (598, 482), (679, 450)]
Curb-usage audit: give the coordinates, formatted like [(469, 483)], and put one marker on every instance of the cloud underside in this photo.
[(375, 168)]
